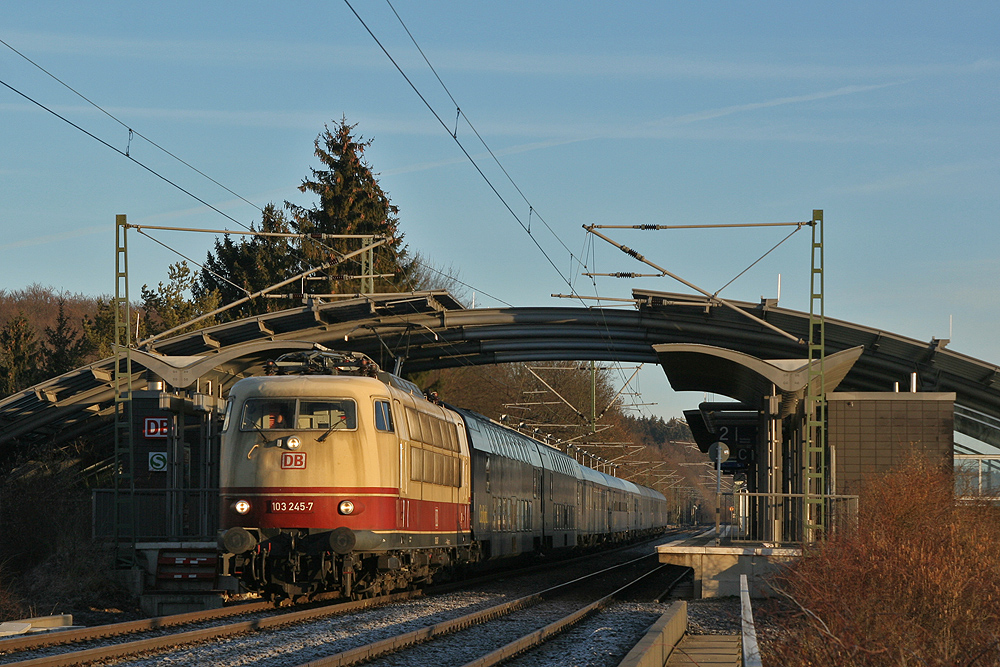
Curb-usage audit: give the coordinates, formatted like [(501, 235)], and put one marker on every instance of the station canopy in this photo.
[(411, 332)]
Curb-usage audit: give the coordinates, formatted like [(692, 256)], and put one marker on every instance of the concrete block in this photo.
[(717, 570), (165, 604)]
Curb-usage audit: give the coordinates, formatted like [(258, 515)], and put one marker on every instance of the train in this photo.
[(336, 476)]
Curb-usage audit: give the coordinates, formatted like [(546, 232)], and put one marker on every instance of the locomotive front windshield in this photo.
[(299, 414)]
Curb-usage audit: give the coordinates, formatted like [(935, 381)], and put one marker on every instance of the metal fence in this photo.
[(161, 514), (977, 476), (780, 517)]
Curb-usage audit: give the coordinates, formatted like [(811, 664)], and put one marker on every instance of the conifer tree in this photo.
[(64, 347), (238, 269), (99, 330), (19, 355), (350, 202), (170, 305)]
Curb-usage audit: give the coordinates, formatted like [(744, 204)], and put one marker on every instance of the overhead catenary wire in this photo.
[(454, 135), (123, 154), (460, 145), (127, 152), (758, 260), (460, 113), (186, 258), (131, 131)]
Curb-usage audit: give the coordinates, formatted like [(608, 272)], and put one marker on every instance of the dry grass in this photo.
[(918, 582), (11, 605)]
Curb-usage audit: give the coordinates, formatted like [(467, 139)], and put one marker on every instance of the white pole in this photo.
[(718, 497)]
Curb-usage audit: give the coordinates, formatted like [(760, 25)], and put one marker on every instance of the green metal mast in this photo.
[(815, 477), (124, 477)]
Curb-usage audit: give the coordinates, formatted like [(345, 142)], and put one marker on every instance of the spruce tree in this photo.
[(20, 360), (170, 305), (351, 201), (64, 347), (237, 269)]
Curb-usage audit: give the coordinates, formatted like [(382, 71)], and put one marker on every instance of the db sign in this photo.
[(156, 427), (293, 460)]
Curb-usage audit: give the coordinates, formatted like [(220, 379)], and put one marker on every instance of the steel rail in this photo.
[(538, 637), (63, 637), (56, 638), (368, 652), (193, 636), (672, 585)]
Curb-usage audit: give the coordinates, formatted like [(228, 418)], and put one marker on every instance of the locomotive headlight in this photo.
[(293, 442), (241, 506), (345, 507)]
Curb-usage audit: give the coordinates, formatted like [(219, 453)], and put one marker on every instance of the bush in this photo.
[(48, 561), (916, 583), (11, 605)]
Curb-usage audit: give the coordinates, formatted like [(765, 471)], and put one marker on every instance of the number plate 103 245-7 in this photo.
[(290, 506)]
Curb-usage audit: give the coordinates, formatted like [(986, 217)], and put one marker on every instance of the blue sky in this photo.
[(884, 115)]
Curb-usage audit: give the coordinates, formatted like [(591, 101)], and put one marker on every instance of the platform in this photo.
[(717, 569), (668, 643), (706, 650)]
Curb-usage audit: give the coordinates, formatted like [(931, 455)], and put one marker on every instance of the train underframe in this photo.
[(294, 564)]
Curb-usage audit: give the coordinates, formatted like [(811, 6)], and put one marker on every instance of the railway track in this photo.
[(263, 618), (500, 633), (52, 650)]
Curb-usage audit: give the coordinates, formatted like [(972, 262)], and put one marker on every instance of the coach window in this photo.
[(383, 416), (413, 424), (416, 464)]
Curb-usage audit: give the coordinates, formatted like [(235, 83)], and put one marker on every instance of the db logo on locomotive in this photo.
[(293, 460)]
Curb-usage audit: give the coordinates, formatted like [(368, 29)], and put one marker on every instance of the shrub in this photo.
[(11, 605), (916, 583)]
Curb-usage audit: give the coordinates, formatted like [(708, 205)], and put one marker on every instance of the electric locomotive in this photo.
[(338, 476)]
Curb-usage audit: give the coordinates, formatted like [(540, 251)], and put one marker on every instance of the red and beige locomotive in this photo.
[(337, 476)]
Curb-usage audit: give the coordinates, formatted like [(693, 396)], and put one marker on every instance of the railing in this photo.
[(780, 517), (977, 476), (161, 514)]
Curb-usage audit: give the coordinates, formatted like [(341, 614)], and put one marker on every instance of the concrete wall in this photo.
[(655, 647), (717, 570)]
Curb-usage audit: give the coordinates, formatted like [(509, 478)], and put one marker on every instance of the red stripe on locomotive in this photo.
[(371, 512)]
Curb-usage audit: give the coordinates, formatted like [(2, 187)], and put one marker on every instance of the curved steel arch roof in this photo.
[(427, 330), (748, 379)]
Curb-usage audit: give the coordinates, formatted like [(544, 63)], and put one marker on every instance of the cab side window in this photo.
[(383, 416)]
